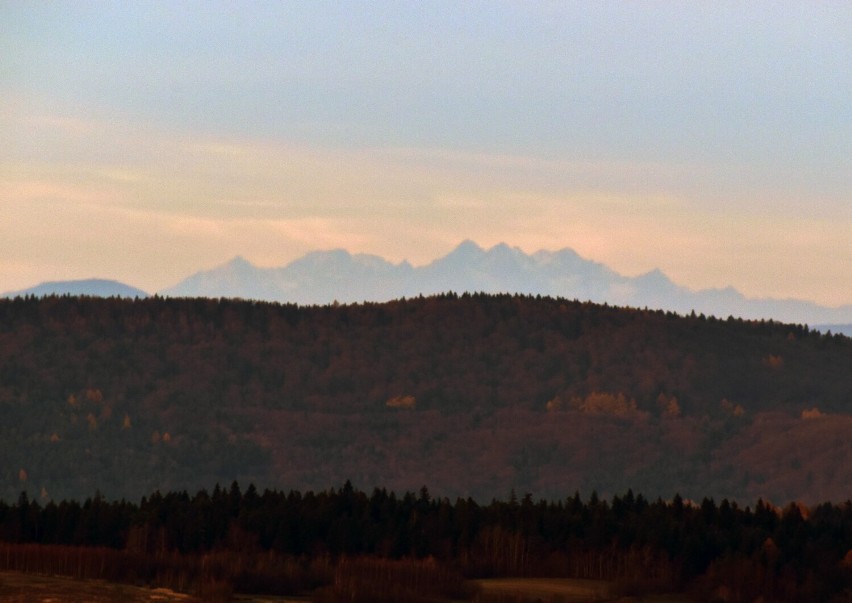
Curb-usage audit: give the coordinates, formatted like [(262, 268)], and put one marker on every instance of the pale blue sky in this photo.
[(145, 140)]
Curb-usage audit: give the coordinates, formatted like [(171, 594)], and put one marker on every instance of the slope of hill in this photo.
[(472, 395), (93, 287), (325, 277)]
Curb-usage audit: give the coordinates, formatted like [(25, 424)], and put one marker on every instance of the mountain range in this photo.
[(323, 277), (94, 287)]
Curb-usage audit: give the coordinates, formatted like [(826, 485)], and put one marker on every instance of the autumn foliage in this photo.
[(473, 394)]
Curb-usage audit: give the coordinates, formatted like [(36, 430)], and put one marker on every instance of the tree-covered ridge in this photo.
[(706, 548), (132, 395)]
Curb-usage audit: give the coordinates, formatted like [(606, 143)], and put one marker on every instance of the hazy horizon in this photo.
[(144, 142), (336, 275)]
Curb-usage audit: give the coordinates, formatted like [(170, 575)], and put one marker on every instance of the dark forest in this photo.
[(348, 545), (471, 394), (556, 411)]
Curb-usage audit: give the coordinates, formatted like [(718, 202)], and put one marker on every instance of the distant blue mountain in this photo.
[(322, 277), (91, 287)]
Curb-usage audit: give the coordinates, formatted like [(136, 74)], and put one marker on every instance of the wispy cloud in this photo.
[(171, 204)]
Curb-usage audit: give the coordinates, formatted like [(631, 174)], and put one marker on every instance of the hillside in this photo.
[(473, 395)]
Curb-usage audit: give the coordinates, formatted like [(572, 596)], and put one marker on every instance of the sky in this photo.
[(144, 141)]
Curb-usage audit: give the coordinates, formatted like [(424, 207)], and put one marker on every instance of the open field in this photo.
[(562, 591), (16, 587), (548, 588), (31, 588)]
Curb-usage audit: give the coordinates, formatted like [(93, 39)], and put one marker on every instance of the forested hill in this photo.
[(473, 395)]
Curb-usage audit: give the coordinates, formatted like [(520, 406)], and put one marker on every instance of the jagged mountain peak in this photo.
[(505, 252), (545, 255), (339, 259), (238, 266), (468, 246), (320, 277), (466, 251), (239, 261), (655, 277)]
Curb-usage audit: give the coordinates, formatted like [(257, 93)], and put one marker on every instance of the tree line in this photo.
[(282, 542)]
